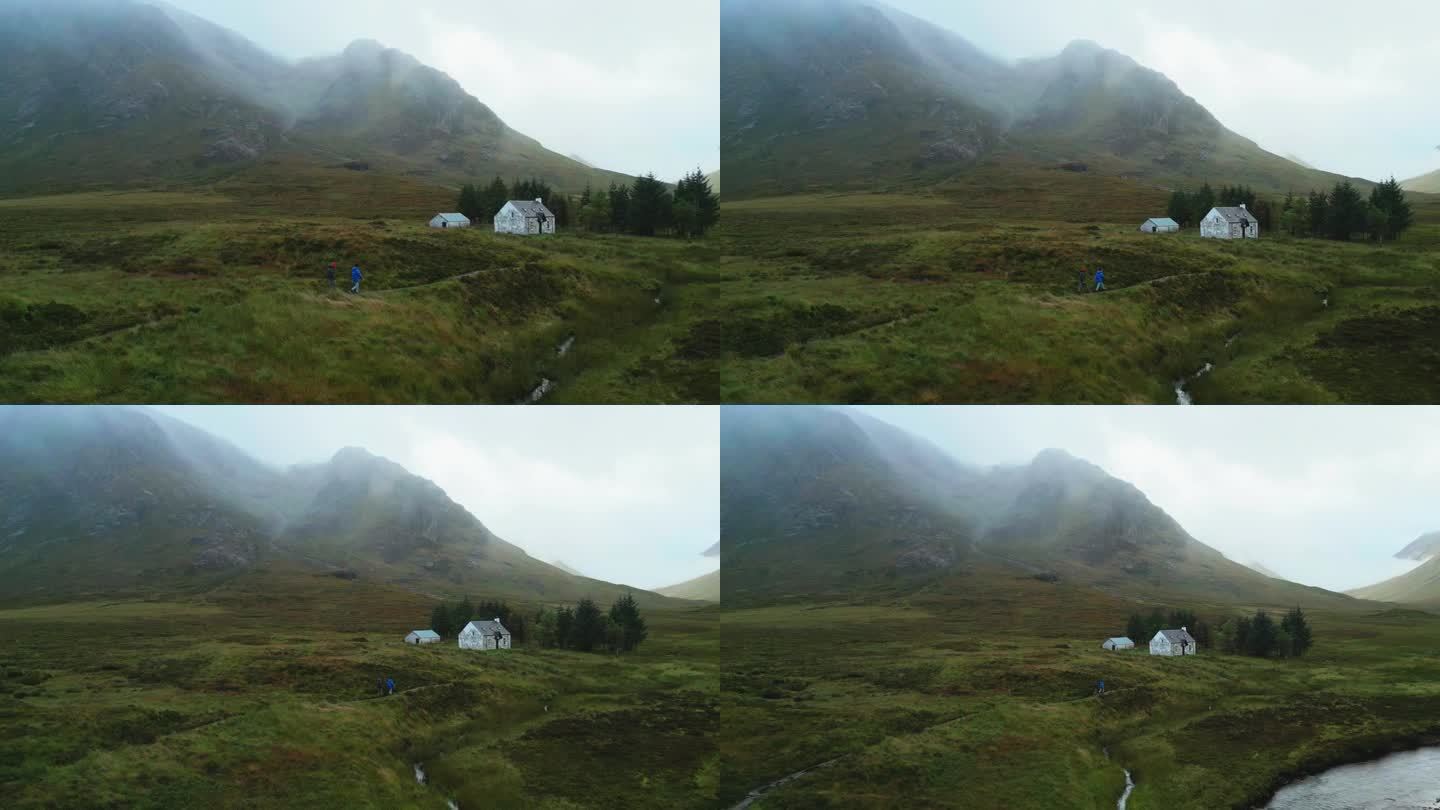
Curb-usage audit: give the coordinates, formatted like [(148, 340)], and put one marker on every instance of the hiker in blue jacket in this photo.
[(390, 686), (355, 278), (1099, 279)]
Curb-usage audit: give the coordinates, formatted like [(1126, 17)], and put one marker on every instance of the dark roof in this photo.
[(1177, 636), (489, 627), (1236, 214), (531, 208)]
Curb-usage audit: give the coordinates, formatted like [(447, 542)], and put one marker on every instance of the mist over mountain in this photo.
[(124, 91), (829, 501), (106, 500), (819, 94)]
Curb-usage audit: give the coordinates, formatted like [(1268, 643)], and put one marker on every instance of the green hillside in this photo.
[(856, 95), (705, 587), (1427, 183)]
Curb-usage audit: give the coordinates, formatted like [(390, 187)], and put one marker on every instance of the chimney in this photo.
[(1243, 208), (542, 202), (1184, 629), (497, 619)]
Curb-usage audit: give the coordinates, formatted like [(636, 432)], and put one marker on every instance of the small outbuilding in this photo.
[(1174, 642), (525, 217), (1118, 643), (422, 637), (1230, 223), (1160, 225), (485, 635), (450, 221)]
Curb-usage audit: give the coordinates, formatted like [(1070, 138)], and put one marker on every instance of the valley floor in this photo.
[(980, 695), (262, 694), (969, 294), (218, 294)]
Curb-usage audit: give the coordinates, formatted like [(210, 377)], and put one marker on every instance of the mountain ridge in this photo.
[(820, 501), (128, 499), (820, 95), (125, 92)]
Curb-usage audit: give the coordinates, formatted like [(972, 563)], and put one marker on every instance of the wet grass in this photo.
[(969, 294), (246, 697), (203, 296), (977, 693)]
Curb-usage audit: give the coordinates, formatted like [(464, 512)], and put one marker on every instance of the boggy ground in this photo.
[(262, 694), (216, 294), (968, 293), (978, 693)]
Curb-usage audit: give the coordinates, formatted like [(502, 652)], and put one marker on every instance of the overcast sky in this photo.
[(1349, 87), (628, 85), (1320, 495), (623, 494)]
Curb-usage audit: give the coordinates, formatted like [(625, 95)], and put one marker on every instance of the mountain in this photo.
[(102, 92), (713, 551), (705, 587), (826, 501), (1421, 548), (833, 94), (102, 501), (714, 178), (1427, 183)]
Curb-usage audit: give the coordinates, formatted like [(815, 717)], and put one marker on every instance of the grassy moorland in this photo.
[(262, 693), (217, 294), (977, 692), (967, 293)]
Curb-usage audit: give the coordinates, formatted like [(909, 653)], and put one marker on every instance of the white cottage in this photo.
[(1174, 642), (1230, 223), (450, 221), (422, 637), (525, 218), (1160, 225), (1118, 643), (483, 635)]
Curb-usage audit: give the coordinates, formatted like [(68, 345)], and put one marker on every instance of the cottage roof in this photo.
[(1120, 640), (1164, 222), (425, 633), (530, 208), (454, 217), (488, 627), (1177, 636), (1235, 214)]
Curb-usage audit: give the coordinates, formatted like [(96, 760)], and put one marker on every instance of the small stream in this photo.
[(547, 385), (422, 779), (1409, 780), (1125, 797), (1182, 386), (757, 793)]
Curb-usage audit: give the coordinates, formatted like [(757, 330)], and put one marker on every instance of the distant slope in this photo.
[(1421, 548), (714, 178), (705, 587), (820, 95), (1427, 183), (121, 92), (825, 501), (105, 500), (1419, 585)]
